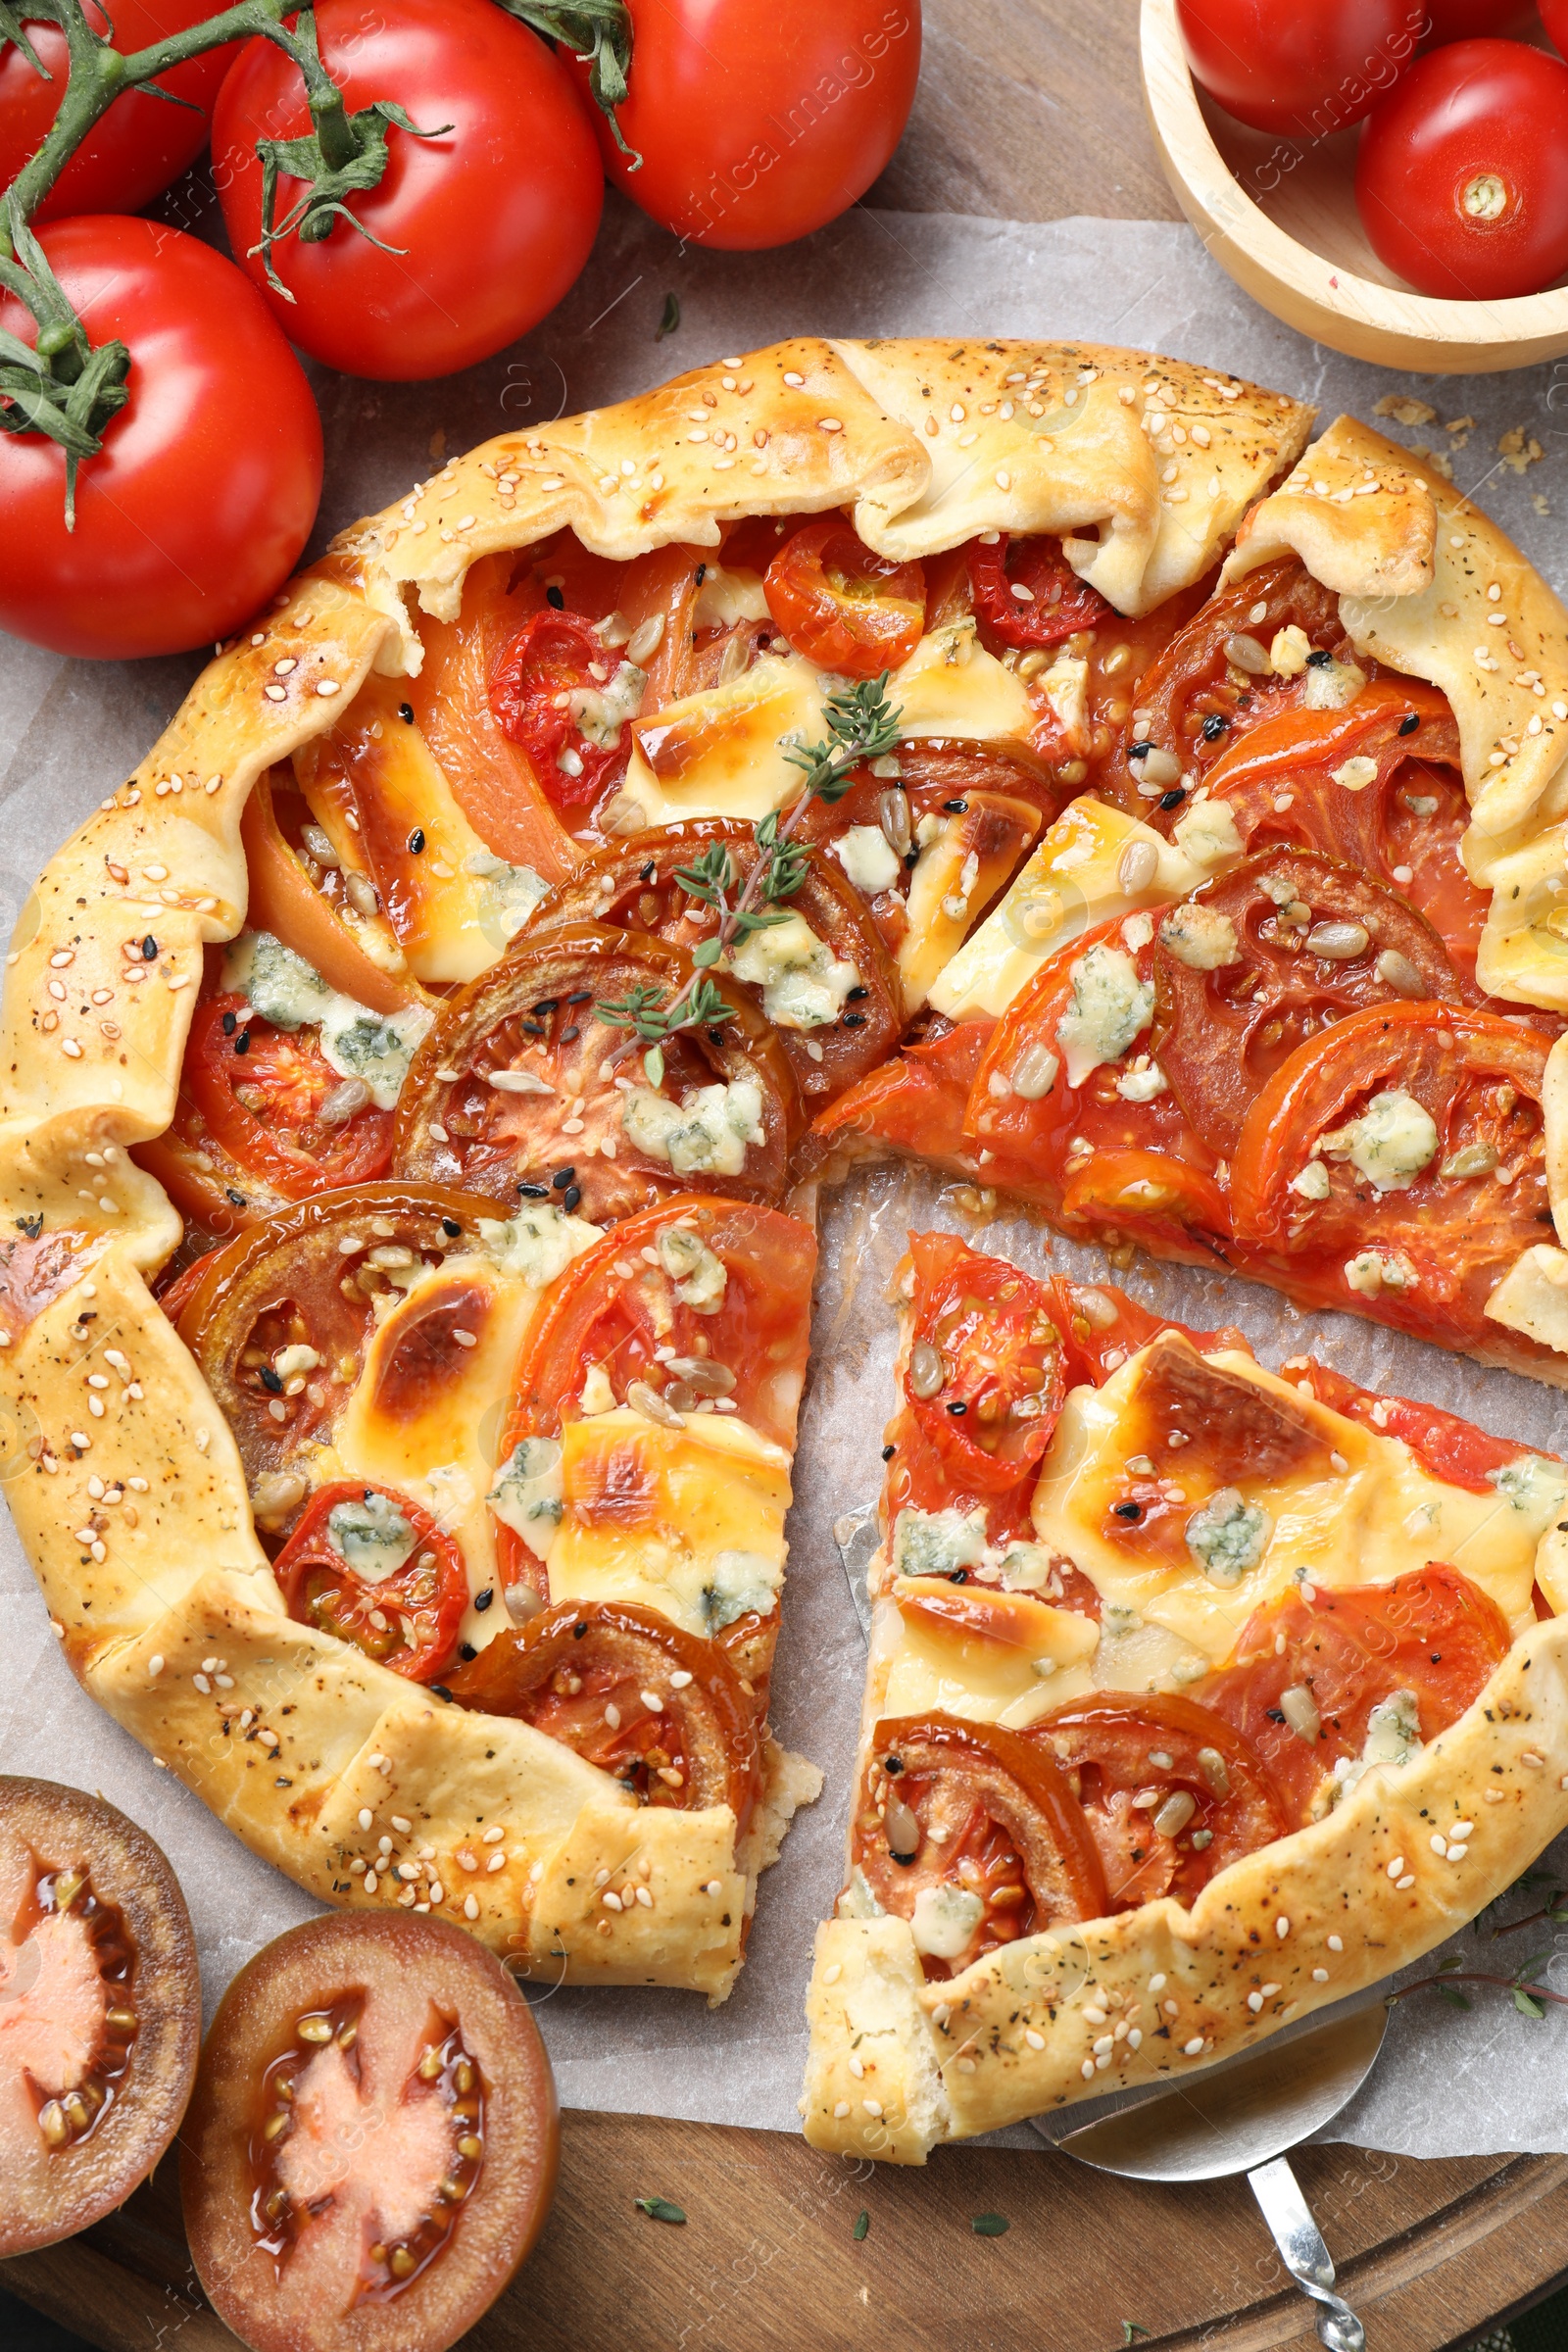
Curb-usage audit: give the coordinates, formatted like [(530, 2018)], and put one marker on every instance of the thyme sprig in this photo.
[(1529, 1996), (861, 725)]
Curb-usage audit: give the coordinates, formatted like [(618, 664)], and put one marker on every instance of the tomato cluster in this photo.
[(1461, 174)]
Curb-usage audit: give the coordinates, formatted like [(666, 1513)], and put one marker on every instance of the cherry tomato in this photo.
[(489, 223), (407, 1620), (1027, 594), (984, 1376), (1313, 70), (1554, 17), (971, 1805), (371, 2149), (553, 657), (579, 1673), (756, 123), (1467, 20), (843, 606), (1171, 1791), (269, 1107), (206, 485), (142, 143), (1432, 1633), (1461, 178), (103, 2013)]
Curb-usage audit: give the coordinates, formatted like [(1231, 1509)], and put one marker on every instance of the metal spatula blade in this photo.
[(1241, 2118)]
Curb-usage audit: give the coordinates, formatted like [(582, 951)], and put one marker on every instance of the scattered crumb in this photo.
[(1404, 410), (1519, 449), (1540, 503), (1459, 432), (1438, 458), (438, 442)]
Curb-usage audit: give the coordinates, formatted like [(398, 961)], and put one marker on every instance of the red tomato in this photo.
[(1554, 17), (1452, 1449), (758, 124), (490, 222), (984, 1378), (207, 486), (553, 655), (144, 142), (266, 1105), (843, 606), (407, 1620), (1307, 69), (1027, 594), (1461, 178), (1468, 19)]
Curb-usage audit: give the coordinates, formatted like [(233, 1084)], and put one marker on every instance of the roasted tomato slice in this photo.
[(305, 903), (585, 1673), (974, 1835), (1404, 1145), (1171, 1791), (1310, 1678), (1197, 698), (367, 1564), (842, 606), (277, 1107), (984, 1376), (1307, 941), (280, 1319), (1026, 593), (917, 1104), (821, 976), (1451, 1449), (521, 1085), (371, 2149), (100, 2010), (548, 694)]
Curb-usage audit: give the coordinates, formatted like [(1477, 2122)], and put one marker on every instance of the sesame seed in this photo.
[(1157, 1984), (327, 686), (1036, 2042), (1396, 1866), (610, 1899), (1281, 1926), (1192, 2048), (68, 1045), (1320, 1976), (493, 1835), (1535, 1762), (495, 1863), (470, 1906), (1409, 1880), (714, 1888), (874, 2106), (841, 2109), (1087, 2070)]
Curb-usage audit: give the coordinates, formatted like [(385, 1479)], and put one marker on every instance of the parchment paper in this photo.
[(1450, 2083)]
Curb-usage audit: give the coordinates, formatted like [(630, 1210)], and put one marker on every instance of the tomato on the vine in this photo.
[(758, 124), (1461, 178), (144, 142), (1307, 69), (488, 223), (206, 487)]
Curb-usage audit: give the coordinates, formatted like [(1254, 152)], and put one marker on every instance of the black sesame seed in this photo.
[(1140, 751), (230, 1024), (451, 1228), (465, 1650), (567, 1036), (1174, 798), (892, 1766), (702, 573), (1318, 660), (716, 1037), (554, 596), (242, 1043), (280, 1782), (534, 1192), (1215, 726), (1129, 1510), (582, 995), (238, 1199), (957, 808), (270, 1381), (149, 948), (1275, 1714), (532, 1028), (571, 1196), (442, 1691), (888, 1451), (1408, 726), (649, 871), (912, 857), (903, 1861), (578, 1631), (855, 993), (415, 841), (562, 1178), (957, 1576), (853, 1020), (406, 713), (482, 1600), (545, 1007), (958, 1409)]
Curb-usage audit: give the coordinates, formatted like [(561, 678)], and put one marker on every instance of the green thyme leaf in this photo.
[(990, 2225), (653, 1067), (1454, 1996), (670, 321), (707, 952), (862, 2223), (660, 2209), (1526, 2003)]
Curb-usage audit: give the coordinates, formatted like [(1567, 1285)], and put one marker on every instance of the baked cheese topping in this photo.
[(993, 1657)]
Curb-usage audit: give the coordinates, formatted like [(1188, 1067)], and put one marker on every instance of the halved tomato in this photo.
[(844, 607), (1312, 942), (659, 1709), (1026, 593), (407, 1615), (547, 695), (1194, 699), (1431, 1635), (371, 2150), (277, 1108), (1426, 1247), (637, 883), (520, 1087), (1171, 1791), (100, 2010), (984, 1376), (279, 1320), (971, 1833)]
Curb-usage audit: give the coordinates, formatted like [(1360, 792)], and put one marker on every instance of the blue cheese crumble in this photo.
[(280, 987), (803, 984), (1390, 1143), (1109, 1008), (707, 1135), (371, 1535), (1228, 1536)]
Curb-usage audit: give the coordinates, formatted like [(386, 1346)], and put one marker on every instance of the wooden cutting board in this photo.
[(1032, 111)]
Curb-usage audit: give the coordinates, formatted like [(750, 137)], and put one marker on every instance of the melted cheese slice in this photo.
[(1533, 1296), (428, 1413), (685, 1520), (1523, 951), (1074, 880), (1379, 1516), (960, 871), (452, 905), (724, 753), (992, 1657)]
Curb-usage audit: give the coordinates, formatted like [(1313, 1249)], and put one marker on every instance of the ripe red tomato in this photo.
[(1462, 175), (142, 143), (1469, 19), (758, 124), (491, 223), (1307, 69), (1554, 17), (840, 605), (208, 482)]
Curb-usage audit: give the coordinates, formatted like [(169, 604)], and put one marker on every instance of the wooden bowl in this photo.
[(1281, 218)]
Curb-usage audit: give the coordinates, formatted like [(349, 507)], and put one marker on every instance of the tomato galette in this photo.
[(420, 1076), (1199, 1696)]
